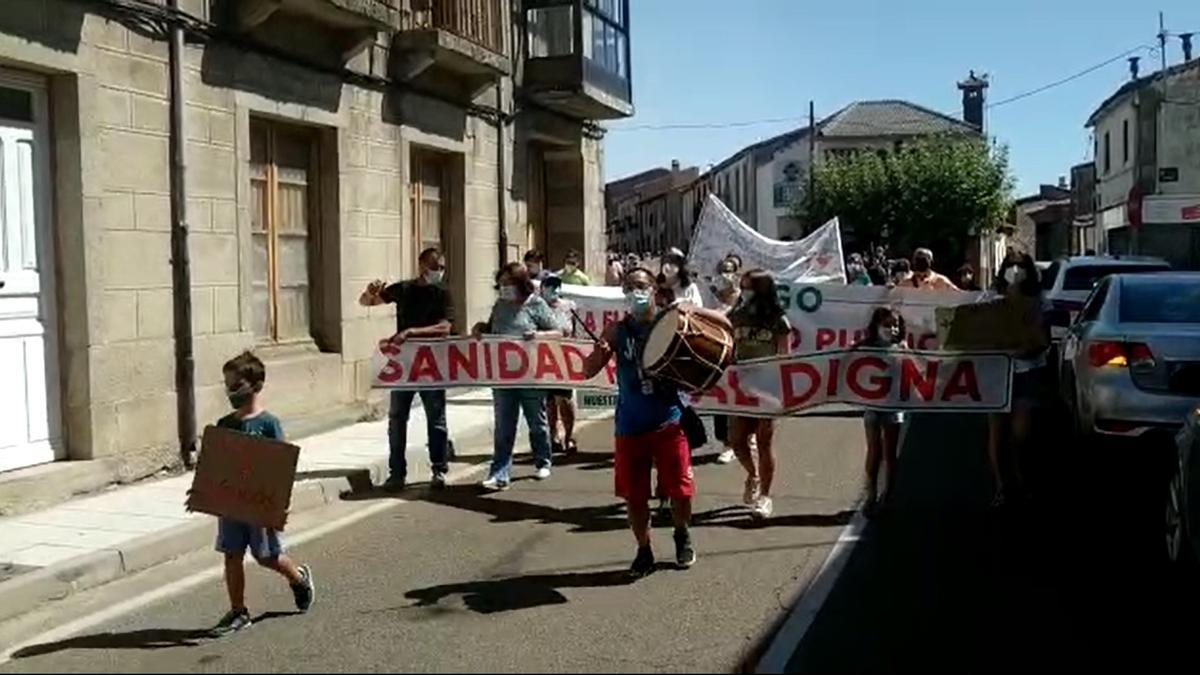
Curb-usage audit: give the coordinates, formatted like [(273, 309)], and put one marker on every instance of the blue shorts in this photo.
[(876, 417), (234, 537)]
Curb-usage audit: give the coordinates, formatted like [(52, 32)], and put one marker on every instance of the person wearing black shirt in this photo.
[(424, 310)]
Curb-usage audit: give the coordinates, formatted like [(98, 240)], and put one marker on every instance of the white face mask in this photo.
[(508, 292), (535, 268), (434, 276), (725, 282), (570, 268), (887, 334), (1014, 275), (670, 271)]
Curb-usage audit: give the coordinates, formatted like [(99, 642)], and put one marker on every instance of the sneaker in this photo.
[(643, 564), (438, 482), (493, 484), (305, 591), (750, 495), (542, 473), (394, 485), (762, 508), (685, 555), (234, 621), (726, 456)]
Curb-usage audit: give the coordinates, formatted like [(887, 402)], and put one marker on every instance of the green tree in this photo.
[(934, 192)]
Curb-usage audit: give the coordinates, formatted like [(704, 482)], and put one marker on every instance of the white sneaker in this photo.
[(542, 473), (493, 484), (762, 508), (750, 496), (726, 456)]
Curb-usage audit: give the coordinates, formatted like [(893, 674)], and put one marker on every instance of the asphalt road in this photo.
[(529, 580), (1071, 582)]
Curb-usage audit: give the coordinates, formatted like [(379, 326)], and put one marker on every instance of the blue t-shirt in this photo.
[(639, 412), (263, 424), (512, 319)]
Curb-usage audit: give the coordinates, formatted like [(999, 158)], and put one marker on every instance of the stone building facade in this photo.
[(327, 143)]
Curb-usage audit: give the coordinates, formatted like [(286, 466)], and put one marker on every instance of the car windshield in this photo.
[(1084, 277), (1166, 301)]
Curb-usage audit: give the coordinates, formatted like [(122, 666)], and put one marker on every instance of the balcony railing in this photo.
[(478, 21)]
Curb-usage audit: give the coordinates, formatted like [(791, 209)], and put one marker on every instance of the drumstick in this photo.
[(585, 328)]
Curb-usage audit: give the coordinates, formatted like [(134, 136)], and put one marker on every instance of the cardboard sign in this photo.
[(244, 477), (777, 386), (1005, 324)]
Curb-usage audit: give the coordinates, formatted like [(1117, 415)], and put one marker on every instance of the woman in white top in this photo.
[(675, 277), (727, 290)]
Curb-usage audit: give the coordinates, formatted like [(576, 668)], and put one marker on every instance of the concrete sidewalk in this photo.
[(47, 555)]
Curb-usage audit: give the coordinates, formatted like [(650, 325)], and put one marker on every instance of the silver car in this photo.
[(1131, 361), (1183, 495)]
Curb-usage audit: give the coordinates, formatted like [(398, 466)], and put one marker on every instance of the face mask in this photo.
[(670, 270), (887, 334), (434, 276), (920, 265), (571, 267), (1014, 275), (508, 292), (747, 295), (725, 282), (241, 396), (550, 294), (638, 301), (535, 268)]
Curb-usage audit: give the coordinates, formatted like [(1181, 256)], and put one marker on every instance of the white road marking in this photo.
[(812, 598), (794, 628), (72, 628)]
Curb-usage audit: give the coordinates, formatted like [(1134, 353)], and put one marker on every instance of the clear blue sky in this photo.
[(722, 61)]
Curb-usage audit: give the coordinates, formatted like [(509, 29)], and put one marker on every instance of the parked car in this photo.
[(1183, 495), (1068, 281), (1131, 361)]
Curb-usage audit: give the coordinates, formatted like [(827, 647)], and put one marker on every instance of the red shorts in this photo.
[(666, 450)]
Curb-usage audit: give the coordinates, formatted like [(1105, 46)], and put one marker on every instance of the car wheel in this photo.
[(1178, 548)]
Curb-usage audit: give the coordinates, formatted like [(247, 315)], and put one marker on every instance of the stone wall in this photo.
[(109, 96)]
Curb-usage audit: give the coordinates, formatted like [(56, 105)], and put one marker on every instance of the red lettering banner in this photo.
[(875, 379)]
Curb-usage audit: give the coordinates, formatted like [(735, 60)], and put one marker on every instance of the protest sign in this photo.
[(889, 380), (1007, 324), (244, 477)]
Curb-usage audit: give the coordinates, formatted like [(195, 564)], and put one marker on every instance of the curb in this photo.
[(313, 490)]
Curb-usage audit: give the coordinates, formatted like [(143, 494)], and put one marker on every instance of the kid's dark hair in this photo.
[(1031, 285), (247, 367), (765, 305), (641, 270), (877, 317), (534, 255)]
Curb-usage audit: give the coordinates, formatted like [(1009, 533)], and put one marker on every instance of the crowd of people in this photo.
[(652, 430)]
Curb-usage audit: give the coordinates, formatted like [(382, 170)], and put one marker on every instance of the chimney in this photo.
[(1133, 67), (974, 94), (1186, 39), (674, 166), (1062, 183)]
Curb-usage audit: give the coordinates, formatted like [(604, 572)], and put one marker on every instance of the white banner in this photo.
[(877, 379), (823, 316), (719, 232)]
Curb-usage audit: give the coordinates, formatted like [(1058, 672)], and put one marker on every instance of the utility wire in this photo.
[(780, 120)]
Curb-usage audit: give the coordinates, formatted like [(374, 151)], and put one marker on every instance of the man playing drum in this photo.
[(648, 431)]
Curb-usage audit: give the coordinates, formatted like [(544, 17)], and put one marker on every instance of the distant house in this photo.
[(1147, 165)]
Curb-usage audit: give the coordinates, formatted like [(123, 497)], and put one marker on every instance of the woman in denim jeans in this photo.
[(518, 312)]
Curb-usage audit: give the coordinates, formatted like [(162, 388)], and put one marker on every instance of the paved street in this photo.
[(532, 580), (1070, 583)]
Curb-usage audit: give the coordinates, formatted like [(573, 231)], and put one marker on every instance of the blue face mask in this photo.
[(638, 301), (747, 296), (550, 294)]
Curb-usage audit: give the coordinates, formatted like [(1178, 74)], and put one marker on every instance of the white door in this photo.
[(29, 418)]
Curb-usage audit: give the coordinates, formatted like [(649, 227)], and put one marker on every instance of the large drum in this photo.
[(690, 350)]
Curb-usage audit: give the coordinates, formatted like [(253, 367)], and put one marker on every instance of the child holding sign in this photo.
[(885, 331), (244, 378)]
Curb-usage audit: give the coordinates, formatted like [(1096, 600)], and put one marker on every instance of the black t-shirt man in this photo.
[(419, 304)]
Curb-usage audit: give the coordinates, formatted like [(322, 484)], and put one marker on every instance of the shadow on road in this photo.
[(145, 639), (1069, 581), (522, 592)]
